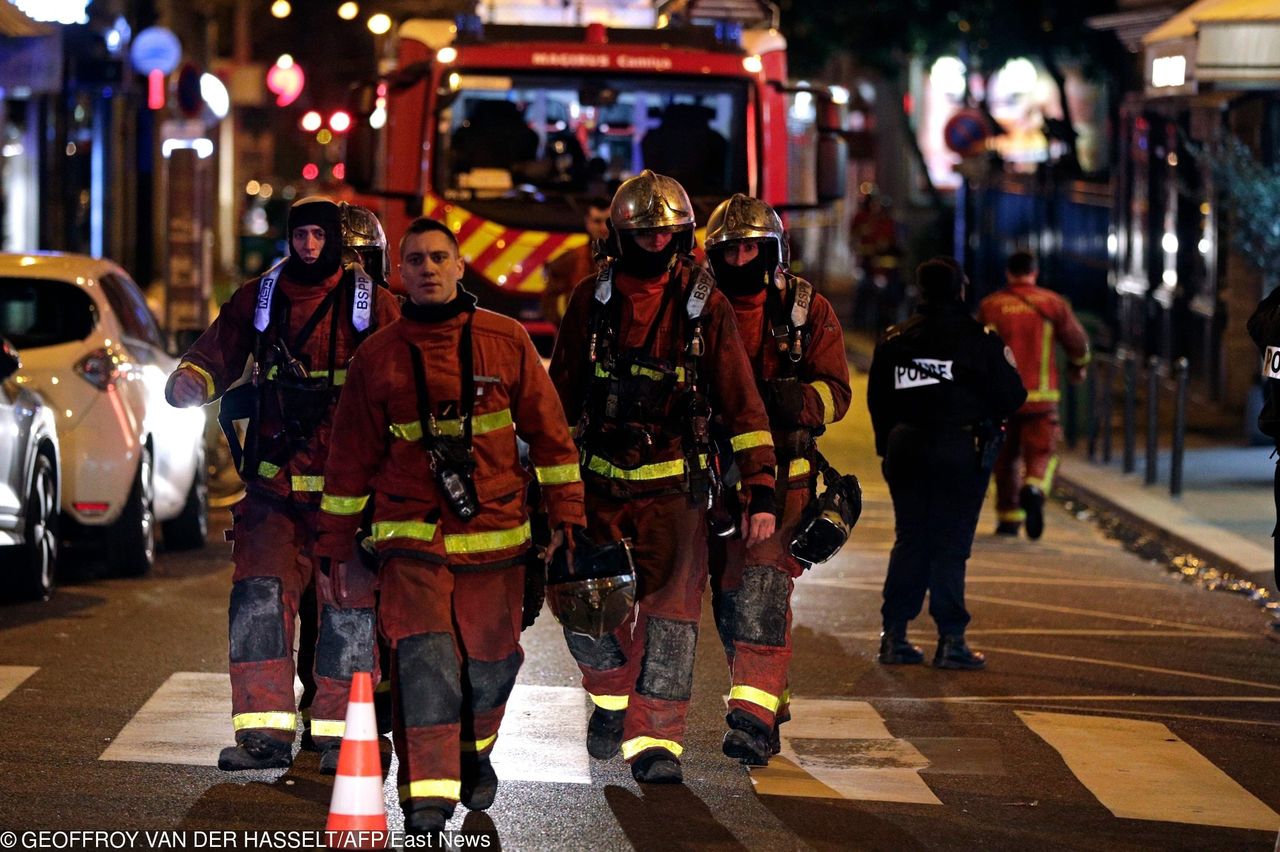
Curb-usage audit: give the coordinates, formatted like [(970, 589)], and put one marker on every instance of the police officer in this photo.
[(301, 321), (427, 430), (1264, 328), (794, 343), (647, 354), (939, 390)]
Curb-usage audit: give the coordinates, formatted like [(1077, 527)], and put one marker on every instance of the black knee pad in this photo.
[(491, 681), (257, 620), (429, 681), (724, 605), (346, 642), (667, 670), (761, 617), (602, 656)]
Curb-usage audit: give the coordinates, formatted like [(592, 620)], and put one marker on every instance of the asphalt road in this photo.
[(1121, 709)]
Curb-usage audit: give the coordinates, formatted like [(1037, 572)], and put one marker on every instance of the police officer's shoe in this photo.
[(954, 653), (895, 650), (479, 782), (604, 732), (1008, 528), (329, 758), (1031, 499), (256, 750), (425, 820), (657, 766), (747, 739)]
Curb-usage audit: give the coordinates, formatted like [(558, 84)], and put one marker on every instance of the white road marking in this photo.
[(543, 736), (11, 677), (1141, 770), (894, 777), (186, 721), (1135, 667)]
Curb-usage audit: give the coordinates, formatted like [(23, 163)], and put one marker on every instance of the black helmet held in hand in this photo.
[(828, 519), (598, 593)]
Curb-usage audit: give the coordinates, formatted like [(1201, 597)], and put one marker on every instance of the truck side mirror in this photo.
[(832, 166)]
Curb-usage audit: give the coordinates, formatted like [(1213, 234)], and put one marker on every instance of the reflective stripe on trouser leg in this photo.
[(267, 584), (427, 685)]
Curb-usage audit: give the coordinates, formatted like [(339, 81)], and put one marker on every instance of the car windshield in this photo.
[(38, 312), (527, 149)]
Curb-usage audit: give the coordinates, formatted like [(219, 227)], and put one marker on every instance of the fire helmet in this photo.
[(741, 217), (599, 593), (364, 241), (827, 521), (651, 201)]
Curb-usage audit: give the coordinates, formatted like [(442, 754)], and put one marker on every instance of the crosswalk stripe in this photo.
[(186, 721), (891, 770), (11, 677), (1141, 770), (542, 737)]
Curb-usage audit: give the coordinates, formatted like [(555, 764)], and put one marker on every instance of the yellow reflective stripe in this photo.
[(1017, 515), (418, 530), (339, 376), (609, 702), (1043, 396), (1045, 482), (558, 474), (483, 542), (335, 505), (1083, 360), (306, 483), (267, 469), (828, 401), (478, 745), (637, 370), (328, 727), (1046, 349), (277, 719), (658, 470), (750, 440), (434, 788), (481, 424), (209, 384), (786, 695), (799, 467), (634, 746), (383, 686), (767, 700)]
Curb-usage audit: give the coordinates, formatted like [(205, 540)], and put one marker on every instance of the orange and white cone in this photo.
[(357, 818)]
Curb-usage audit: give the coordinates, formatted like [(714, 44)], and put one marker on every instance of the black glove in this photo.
[(535, 586), (784, 398)]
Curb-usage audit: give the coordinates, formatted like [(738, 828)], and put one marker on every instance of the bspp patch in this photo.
[(257, 620)]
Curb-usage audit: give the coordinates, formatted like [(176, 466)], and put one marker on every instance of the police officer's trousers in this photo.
[(937, 486)]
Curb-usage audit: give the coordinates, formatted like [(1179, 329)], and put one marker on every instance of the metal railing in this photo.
[(1158, 382)]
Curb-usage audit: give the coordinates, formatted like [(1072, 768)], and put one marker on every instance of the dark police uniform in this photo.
[(938, 383), (1264, 328)]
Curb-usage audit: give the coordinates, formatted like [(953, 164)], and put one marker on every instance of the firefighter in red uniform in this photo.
[(794, 341), (1031, 320), (301, 321), (647, 354), (427, 429), (565, 270)]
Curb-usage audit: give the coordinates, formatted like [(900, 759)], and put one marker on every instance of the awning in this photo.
[(14, 23), (1225, 42)]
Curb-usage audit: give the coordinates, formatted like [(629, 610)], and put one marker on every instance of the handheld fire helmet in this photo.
[(827, 521), (600, 591)]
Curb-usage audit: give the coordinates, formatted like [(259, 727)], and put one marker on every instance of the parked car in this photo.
[(29, 486), (92, 348)]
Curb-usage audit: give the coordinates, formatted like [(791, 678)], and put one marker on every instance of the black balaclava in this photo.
[(315, 210), (745, 280), (646, 264)]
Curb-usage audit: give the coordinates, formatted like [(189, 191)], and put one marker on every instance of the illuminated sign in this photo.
[(55, 11), (155, 49), (285, 80), (1168, 71)]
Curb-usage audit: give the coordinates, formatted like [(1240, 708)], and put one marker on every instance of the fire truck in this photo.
[(504, 123)]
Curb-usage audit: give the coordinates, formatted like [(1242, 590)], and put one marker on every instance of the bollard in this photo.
[(1181, 372), (1130, 411), (1106, 427), (1153, 419)]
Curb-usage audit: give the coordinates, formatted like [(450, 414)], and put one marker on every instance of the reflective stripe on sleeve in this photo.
[(755, 696), (335, 505), (267, 469), (750, 440), (209, 384), (558, 474), (416, 530), (634, 746), (828, 401), (306, 483), (798, 467), (483, 542), (276, 720), (432, 788)]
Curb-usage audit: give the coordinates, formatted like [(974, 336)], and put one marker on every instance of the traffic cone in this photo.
[(357, 819)]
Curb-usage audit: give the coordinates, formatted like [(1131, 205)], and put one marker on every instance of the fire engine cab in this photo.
[(504, 123)]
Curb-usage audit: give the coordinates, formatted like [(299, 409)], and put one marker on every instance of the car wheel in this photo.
[(38, 554), (189, 530), (131, 540)]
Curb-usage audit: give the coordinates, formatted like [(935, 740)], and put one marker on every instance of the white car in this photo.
[(92, 349)]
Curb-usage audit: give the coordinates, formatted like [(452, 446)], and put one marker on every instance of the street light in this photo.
[(380, 24), (281, 9), (348, 11), (340, 122), (311, 121)]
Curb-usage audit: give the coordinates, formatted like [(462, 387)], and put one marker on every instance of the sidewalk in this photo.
[(1224, 516)]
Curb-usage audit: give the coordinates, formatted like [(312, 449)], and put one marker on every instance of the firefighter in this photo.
[(301, 321), (566, 269), (1032, 320), (939, 389), (647, 354), (795, 343), (427, 429)]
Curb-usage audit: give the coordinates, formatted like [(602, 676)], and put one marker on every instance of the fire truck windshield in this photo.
[(523, 146)]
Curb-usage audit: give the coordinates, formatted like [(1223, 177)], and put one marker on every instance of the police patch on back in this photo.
[(921, 372)]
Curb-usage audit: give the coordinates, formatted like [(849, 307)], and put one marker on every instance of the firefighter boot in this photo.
[(604, 733), (954, 653), (479, 782), (657, 766), (895, 650), (1010, 528), (425, 820), (256, 750), (1031, 499), (747, 739), (329, 758)]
